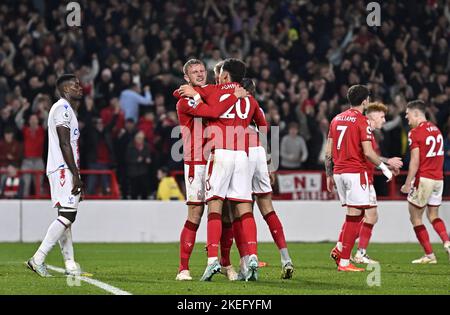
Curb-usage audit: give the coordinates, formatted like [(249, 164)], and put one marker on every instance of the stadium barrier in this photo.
[(41, 189), (161, 221)]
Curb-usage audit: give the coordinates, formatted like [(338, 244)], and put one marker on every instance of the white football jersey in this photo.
[(61, 114)]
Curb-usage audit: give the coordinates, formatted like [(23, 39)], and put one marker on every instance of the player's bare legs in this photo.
[(265, 206), (214, 232), (187, 239), (415, 215), (350, 233), (439, 226), (54, 233), (226, 241), (365, 233)]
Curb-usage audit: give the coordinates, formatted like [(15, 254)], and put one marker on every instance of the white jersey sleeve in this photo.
[(61, 114)]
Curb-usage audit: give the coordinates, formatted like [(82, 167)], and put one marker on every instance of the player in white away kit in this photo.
[(63, 175)]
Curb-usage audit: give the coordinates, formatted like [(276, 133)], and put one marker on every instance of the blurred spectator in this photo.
[(113, 112), (33, 139), (293, 149), (130, 99), (11, 185), (125, 137), (138, 161), (11, 150), (167, 188), (101, 153)]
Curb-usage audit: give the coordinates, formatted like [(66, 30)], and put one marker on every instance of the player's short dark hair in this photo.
[(191, 62), (64, 78), (417, 104), (236, 68), (218, 66), (356, 94), (249, 85)]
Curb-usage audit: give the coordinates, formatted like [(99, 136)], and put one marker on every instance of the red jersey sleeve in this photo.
[(201, 109), (412, 140), (259, 117), (365, 132)]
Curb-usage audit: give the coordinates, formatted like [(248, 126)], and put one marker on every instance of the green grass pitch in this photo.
[(151, 269)]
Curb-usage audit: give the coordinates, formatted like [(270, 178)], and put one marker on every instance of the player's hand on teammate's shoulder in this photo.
[(187, 91), (240, 92)]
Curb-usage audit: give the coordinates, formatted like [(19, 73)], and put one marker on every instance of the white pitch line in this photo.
[(99, 284)]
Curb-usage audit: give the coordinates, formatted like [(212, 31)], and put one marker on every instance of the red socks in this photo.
[(249, 229), (239, 237), (350, 234), (424, 238), (187, 241), (341, 234), (226, 241), (276, 229), (439, 227), (365, 232), (214, 232)]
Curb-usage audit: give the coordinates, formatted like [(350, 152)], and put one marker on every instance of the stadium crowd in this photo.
[(302, 55)]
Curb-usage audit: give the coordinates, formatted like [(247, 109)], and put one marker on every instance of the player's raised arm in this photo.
[(66, 150)]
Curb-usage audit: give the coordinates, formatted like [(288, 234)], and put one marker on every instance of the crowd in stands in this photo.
[(302, 55)]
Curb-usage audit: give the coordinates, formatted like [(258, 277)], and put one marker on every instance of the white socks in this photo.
[(54, 233), (66, 244), (361, 251), (212, 259), (285, 258), (344, 262)]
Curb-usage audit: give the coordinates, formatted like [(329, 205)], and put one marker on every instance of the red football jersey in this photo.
[(428, 138), (229, 129), (190, 115), (370, 166), (348, 130)]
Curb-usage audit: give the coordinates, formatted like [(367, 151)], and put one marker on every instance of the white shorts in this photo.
[(259, 172), (61, 185), (372, 197), (426, 192), (353, 190), (194, 178), (228, 176)]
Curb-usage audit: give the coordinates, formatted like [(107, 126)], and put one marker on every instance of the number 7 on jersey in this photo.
[(342, 130)]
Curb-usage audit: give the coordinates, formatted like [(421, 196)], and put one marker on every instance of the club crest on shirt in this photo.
[(66, 115), (71, 200)]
